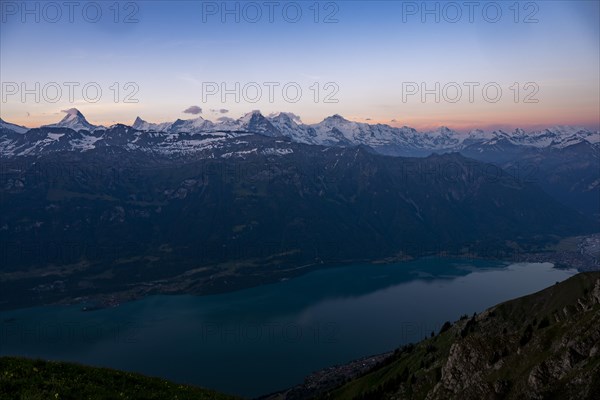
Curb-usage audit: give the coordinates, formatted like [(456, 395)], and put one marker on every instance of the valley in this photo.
[(101, 216)]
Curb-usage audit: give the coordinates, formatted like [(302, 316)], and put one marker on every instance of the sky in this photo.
[(488, 65)]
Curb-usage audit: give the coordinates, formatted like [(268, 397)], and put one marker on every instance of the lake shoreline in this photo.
[(285, 331), (568, 256)]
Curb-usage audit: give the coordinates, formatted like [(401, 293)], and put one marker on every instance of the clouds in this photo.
[(195, 110), (220, 111), (294, 117), (71, 111)]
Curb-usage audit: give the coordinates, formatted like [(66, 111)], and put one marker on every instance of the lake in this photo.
[(267, 338)]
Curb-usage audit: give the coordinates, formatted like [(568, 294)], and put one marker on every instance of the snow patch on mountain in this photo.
[(75, 133), (13, 127)]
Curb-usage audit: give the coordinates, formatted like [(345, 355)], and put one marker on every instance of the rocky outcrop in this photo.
[(546, 345)]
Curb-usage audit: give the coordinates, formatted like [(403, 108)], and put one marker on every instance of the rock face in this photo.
[(542, 346)]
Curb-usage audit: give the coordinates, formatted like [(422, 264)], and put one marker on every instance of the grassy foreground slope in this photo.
[(25, 379), (542, 346)]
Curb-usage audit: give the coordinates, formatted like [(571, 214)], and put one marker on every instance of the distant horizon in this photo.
[(375, 62), (214, 117)]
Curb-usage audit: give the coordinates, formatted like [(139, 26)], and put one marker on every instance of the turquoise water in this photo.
[(267, 338)]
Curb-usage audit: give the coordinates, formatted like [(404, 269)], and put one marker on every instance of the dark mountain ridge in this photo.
[(226, 217)]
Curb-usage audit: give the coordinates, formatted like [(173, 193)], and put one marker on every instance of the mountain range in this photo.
[(563, 160), (183, 136), (201, 207)]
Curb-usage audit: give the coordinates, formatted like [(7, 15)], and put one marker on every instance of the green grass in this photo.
[(26, 379)]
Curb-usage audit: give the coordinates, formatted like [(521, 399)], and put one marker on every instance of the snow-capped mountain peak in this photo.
[(335, 130), (138, 122), (74, 120), (73, 113), (477, 133), (334, 119), (143, 125), (286, 118), (444, 131), (194, 126), (255, 122), (252, 114)]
